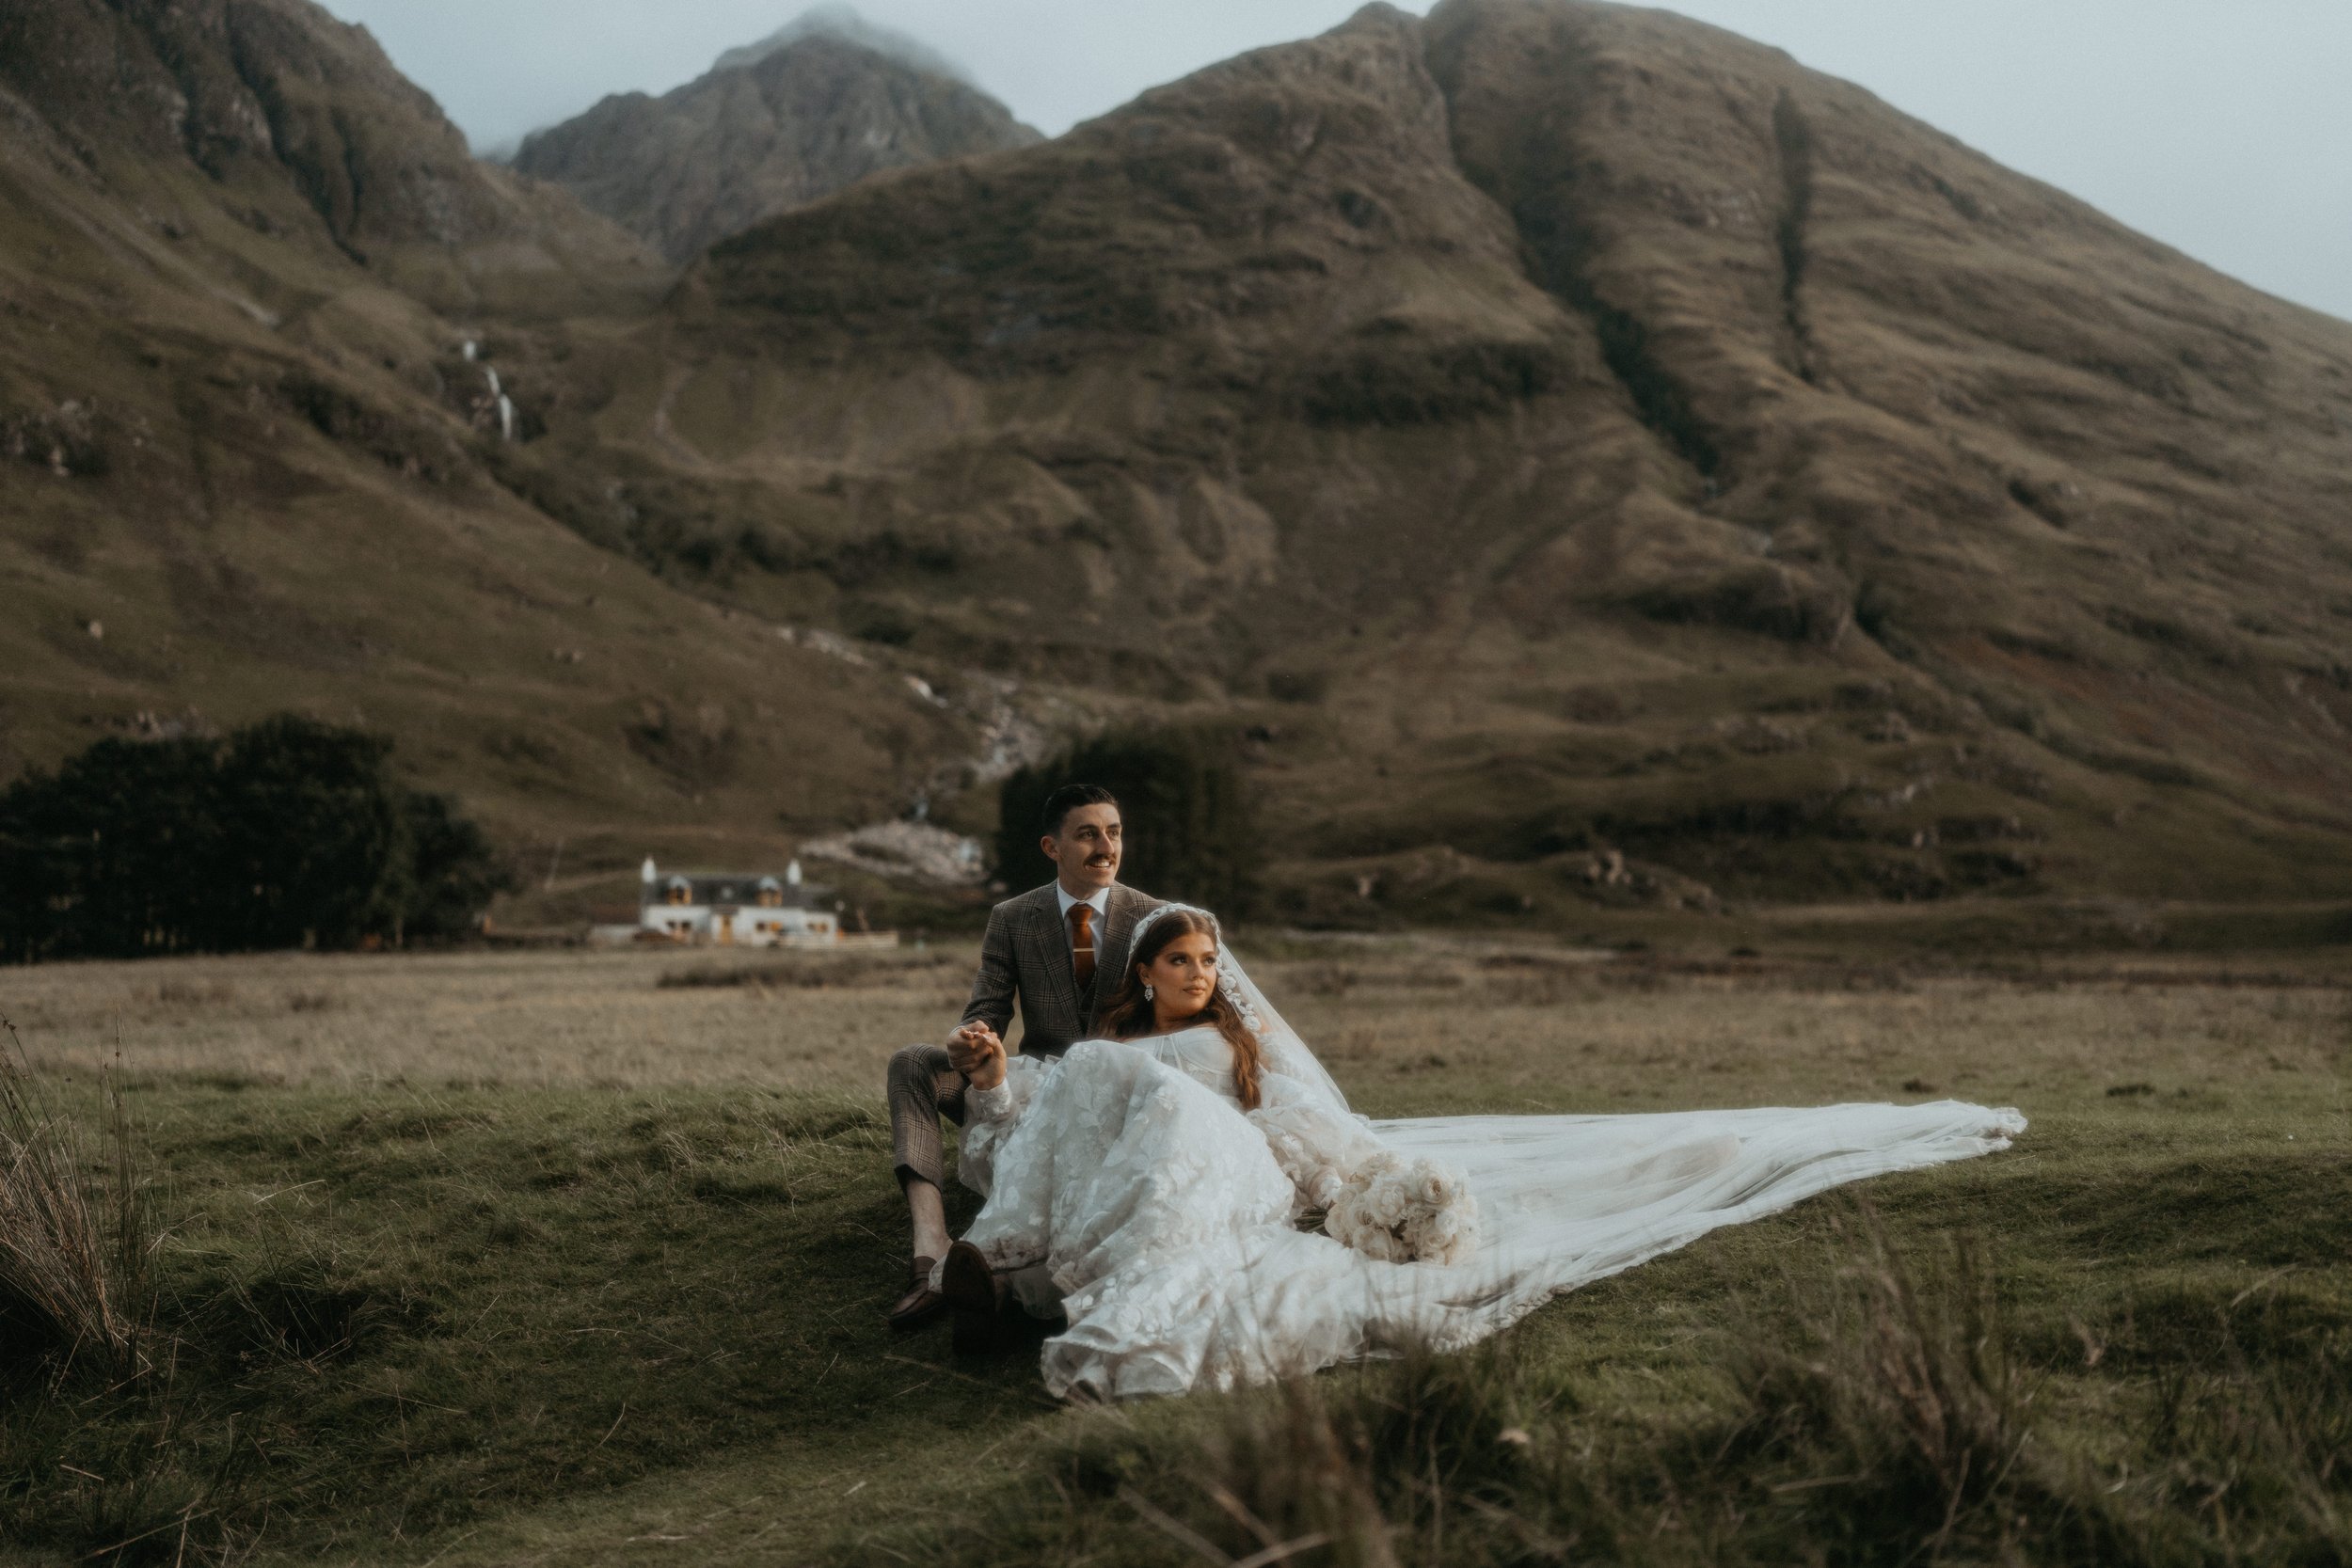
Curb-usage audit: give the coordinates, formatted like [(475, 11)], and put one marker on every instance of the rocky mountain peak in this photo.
[(1576, 449), (773, 127), (844, 24)]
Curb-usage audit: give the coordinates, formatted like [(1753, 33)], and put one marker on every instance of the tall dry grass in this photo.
[(1897, 1387), (75, 1230)]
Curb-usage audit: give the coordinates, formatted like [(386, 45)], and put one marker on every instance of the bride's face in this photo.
[(1182, 975)]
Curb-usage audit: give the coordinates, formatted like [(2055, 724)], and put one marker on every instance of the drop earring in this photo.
[(1147, 993)]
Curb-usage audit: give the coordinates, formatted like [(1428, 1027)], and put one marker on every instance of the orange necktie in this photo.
[(1082, 944)]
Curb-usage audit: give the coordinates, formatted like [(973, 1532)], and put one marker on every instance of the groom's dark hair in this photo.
[(1068, 798)]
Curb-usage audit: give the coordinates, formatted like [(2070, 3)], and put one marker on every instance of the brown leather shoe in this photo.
[(921, 1303), (977, 1297)]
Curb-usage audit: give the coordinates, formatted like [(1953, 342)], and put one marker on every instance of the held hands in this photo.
[(976, 1052)]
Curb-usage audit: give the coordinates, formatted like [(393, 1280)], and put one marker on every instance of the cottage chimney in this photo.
[(792, 874)]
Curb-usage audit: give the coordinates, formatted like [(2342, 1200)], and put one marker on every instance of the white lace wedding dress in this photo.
[(1127, 1189)]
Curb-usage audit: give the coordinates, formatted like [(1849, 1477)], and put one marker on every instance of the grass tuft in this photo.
[(75, 1231), (1895, 1394)]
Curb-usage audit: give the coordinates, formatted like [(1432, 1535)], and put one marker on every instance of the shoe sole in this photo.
[(970, 1289)]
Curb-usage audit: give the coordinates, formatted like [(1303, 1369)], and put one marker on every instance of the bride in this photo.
[(1194, 1195)]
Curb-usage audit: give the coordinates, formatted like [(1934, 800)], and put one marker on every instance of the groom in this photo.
[(1058, 952)]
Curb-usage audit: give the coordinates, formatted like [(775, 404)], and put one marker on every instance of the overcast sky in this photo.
[(2223, 127)]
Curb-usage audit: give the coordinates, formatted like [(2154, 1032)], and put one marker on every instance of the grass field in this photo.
[(577, 1257)]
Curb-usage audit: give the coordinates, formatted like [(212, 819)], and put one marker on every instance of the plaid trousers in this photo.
[(924, 1086)]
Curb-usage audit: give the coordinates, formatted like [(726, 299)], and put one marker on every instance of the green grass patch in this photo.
[(488, 1323)]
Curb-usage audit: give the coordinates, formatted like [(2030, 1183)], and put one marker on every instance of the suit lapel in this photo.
[(1050, 948)]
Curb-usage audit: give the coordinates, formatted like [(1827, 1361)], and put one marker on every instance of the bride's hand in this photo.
[(964, 1047), (988, 1061)]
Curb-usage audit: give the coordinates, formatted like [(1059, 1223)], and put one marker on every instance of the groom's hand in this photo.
[(976, 1052), (968, 1045)]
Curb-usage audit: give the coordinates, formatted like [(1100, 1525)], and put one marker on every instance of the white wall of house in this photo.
[(767, 920)]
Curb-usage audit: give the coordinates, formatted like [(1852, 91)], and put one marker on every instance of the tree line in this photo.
[(1191, 826), (285, 833)]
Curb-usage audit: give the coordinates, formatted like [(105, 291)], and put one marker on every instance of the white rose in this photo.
[(1434, 1186)]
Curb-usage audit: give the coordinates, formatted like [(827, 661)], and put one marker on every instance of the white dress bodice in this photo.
[(1201, 1055)]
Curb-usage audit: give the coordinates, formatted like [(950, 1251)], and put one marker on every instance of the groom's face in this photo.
[(1086, 852)]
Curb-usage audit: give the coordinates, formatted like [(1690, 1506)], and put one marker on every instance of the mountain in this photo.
[(246, 462), (1555, 429), (821, 106), (1578, 455)]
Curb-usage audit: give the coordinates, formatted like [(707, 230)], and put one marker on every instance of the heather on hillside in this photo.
[(286, 833)]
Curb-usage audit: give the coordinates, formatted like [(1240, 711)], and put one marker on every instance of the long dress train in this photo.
[(1127, 1188)]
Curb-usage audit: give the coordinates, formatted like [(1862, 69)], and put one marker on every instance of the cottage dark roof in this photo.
[(736, 887)]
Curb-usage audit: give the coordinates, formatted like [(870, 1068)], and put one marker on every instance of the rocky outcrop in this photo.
[(787, 124)]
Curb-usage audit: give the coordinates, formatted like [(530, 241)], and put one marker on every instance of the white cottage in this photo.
[(734, 909)]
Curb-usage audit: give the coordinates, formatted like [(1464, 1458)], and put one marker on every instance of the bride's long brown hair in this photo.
[(1130, 1013)]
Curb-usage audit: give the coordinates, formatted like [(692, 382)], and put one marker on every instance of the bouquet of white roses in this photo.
[(1400, 1212)]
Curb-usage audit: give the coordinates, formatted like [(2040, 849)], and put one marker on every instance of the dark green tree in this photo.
[(452, 872), (290, 833), (36, 854), (316, 843), (1191, 829), (110, 853)]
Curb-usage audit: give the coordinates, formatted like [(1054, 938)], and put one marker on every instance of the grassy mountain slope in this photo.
[(1556, 428), (307, 136), (243, 468)]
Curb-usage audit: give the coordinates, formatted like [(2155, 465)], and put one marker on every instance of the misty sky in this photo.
[(2220, 126)]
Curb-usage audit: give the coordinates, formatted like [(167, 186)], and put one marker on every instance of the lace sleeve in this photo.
[(989, 1117)]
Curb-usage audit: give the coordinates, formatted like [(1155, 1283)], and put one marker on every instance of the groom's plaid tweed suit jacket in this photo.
[(1025, 954), (1025, 960)]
